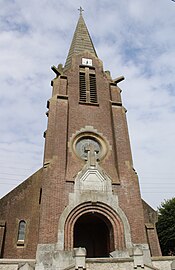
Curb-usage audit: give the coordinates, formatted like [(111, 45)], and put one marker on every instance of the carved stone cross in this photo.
[(91, 154)]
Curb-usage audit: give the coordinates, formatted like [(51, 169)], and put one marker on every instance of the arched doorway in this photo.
[(94, 232), (103, 214)]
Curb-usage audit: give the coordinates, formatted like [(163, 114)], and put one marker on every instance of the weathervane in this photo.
[(81, 10)]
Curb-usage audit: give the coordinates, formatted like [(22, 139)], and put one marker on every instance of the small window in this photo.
[(40, 195), (21, 232)]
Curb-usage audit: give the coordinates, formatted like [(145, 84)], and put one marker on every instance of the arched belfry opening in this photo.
[(94, 232)]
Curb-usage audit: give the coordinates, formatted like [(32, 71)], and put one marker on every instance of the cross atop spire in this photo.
[(81, 10)]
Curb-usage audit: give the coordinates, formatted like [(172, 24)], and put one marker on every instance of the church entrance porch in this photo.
[(94, 233), (96, 227)]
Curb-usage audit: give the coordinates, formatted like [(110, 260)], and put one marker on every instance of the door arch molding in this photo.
[(117, 241)]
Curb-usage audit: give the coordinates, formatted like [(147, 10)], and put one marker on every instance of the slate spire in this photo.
[(81, 41)]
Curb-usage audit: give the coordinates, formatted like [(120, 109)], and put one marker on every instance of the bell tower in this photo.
[(91, 205)]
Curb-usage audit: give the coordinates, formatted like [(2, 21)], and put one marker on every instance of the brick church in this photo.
[(83, 208)]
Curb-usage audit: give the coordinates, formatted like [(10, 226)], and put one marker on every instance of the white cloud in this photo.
[(133, 38)]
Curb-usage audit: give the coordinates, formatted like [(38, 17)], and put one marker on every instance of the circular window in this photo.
[(88, 141), (86, 144)]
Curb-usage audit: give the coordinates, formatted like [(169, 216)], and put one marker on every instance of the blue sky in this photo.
[(133, 38)]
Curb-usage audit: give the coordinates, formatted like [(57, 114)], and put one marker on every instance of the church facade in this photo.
[(83, 208)]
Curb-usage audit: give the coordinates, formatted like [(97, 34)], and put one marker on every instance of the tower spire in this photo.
[(81, 41)]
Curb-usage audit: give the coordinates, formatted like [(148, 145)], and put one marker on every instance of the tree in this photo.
[(166, 227)]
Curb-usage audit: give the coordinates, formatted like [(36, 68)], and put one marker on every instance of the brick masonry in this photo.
[(21, 204), (62, 168)]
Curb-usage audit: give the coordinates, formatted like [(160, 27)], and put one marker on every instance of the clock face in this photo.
[(87, 61), (84, 144)]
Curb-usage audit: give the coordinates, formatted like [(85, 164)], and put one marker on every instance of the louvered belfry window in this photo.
[(88, 90), (93, 90), (82, 87)]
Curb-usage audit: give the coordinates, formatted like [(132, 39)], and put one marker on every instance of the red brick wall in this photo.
[(66, 117), (22, 204), (150, 218)]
